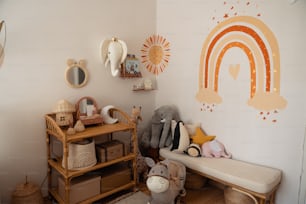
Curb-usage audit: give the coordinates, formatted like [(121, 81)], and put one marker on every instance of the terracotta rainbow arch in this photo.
[(262, 51)]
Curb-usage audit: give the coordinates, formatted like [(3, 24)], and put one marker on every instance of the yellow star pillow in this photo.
[(200, 137)]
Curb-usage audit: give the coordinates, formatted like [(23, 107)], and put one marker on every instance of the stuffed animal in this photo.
[(158, 132), (136, 114), (214, 148), (142, 168), (194, 150), (166, 181)]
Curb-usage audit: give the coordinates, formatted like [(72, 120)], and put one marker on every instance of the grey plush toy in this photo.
[(166, 181), (158, 132)]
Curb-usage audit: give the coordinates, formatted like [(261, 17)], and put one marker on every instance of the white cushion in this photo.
[(257, 178)]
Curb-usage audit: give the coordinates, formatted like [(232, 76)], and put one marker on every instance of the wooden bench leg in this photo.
[(272, 198), (247, 194), (262, 201)]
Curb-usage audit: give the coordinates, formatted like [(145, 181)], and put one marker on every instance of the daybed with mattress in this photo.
[(257, 181)]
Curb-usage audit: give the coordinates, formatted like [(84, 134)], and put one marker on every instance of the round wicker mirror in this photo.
[(76, 74)]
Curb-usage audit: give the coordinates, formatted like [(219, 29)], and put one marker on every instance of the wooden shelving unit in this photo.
[(55, 164)]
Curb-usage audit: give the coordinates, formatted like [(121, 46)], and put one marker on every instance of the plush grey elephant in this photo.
[(158, 132)]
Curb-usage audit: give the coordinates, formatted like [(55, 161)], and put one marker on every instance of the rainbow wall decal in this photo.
[(260, 46)]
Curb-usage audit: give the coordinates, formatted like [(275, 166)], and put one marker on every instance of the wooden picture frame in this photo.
[(131, 67)]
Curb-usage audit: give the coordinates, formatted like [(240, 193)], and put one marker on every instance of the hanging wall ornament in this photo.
[(113, 53), (155, 54)]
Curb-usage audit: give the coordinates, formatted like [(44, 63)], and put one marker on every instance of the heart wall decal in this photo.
[(234, 70)]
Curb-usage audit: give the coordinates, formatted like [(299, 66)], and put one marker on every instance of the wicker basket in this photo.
[(81, 155), (194, 181), (235, 196), (27, 193)]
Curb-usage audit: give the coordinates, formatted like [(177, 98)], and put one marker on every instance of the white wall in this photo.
[(41, 36), (185, 24), (302, 190)]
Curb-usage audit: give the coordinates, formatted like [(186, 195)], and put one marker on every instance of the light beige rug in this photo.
[(131, 198)]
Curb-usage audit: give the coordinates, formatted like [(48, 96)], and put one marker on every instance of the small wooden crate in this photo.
[(81, 188), (110, 150), (115, 177), (101, 155)]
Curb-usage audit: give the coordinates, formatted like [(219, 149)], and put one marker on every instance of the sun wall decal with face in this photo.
[(155, 54)]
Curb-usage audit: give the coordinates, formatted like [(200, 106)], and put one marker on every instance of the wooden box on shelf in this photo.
[(100, 151), (111, 150), (115, 177), (81, 188)]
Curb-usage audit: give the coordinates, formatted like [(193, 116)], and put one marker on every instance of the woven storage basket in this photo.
[(27, 193), (235, 196), (81, 155)]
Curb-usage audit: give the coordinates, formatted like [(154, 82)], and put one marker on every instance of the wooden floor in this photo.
[(209, 194), (206, 195)]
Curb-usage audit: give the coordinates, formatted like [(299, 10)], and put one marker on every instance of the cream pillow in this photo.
[(180, 137)]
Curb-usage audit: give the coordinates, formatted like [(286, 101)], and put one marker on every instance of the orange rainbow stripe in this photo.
[(235, 25)]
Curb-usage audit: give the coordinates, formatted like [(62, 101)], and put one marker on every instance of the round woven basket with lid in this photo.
[(194, 181), (234, 196), (27, 193)]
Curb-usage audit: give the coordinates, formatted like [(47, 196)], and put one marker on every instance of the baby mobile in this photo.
[(259, 44), (155, 54)]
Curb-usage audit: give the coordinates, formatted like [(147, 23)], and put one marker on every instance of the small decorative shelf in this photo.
[(143, 89)]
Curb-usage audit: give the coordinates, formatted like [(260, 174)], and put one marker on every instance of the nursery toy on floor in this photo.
[(141, 166), (166, 181)]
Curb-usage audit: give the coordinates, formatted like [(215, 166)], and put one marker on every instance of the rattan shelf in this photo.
[(55, 164)]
